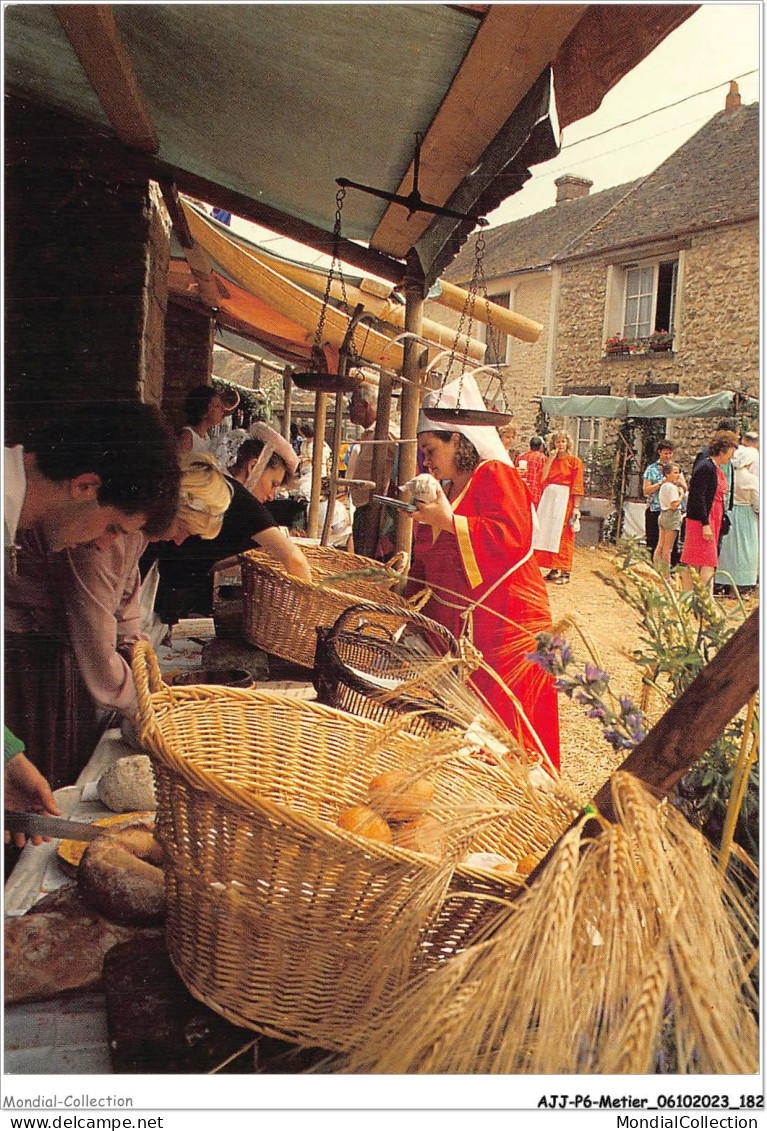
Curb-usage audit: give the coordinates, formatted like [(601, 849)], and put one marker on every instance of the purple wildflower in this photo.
[(594, 674)]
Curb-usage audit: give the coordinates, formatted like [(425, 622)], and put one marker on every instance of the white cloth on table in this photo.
[(633, 520)]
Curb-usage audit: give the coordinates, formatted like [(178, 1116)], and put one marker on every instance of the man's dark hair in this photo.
[(307, 430), (197, 403), (664, 446), (728, 424), (128, 445), (536, 443), (251, 449)]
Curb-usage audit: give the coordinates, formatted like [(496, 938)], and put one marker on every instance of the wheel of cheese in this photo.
[(121, 876)]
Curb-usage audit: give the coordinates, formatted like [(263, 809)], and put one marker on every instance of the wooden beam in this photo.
[(198, 261), (510, 50), (109, 159), (688, 728), (410, 404), (96, 40)]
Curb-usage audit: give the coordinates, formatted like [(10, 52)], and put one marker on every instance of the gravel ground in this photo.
[(613, 627)]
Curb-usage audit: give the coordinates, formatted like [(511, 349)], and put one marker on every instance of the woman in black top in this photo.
[(705, 507), (263, 463)]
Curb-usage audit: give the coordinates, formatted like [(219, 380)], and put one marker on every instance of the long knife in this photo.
[(34, 824)]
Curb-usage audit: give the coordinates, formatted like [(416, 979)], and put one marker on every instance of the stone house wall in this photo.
[(716, 344), (524, 372), (188, 358)]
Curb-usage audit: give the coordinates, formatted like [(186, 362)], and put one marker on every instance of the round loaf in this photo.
[(121, 876), (128, 785)]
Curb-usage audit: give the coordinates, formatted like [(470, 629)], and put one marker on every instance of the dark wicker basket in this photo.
[(360, 648)]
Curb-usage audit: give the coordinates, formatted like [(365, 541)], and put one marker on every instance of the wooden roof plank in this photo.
[(510, 50), (96, 40)]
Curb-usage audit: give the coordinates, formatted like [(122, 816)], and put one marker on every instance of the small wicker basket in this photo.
[(358, 657), (281, 613), (277, 918)]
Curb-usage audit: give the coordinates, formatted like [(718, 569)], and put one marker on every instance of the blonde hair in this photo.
[(204, 495), (560, 434)]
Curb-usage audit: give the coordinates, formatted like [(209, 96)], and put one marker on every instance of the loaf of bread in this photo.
[(59, 946), (128, 785), (121, 876)]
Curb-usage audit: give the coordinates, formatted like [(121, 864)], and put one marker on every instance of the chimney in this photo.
[(572, 188), (732, 101)]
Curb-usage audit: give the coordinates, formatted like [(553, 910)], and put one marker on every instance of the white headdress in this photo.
[(273, 443), (485, 438)]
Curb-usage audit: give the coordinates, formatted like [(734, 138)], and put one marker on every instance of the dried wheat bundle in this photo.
[(444, 677), (622, 937)]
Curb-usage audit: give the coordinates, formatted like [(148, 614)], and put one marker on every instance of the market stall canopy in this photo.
[(258, 108), (248, 279), (669, 407)]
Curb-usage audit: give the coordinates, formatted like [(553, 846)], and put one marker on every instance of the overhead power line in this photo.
[(649, 113)]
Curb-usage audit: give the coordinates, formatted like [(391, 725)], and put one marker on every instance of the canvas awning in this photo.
[(258, 108), (615, 408), (294, 291)]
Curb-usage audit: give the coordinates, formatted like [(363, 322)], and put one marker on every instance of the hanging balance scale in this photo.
[(461, 413), (414, 202), (318, 378)]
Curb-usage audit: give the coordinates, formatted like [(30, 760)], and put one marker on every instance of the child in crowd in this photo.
[(670, 496)]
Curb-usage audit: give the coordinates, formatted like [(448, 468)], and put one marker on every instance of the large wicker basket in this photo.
[(281, 613), (359, 663), (277, 918)]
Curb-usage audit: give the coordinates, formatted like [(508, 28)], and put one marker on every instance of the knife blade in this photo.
[(58, 828)]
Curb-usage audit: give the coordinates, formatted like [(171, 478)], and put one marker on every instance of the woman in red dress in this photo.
[(473, 548), (558, 510), (705, 507)]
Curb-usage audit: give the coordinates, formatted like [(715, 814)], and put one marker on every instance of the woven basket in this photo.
[(358, 656), (277, 918), (281, 613)]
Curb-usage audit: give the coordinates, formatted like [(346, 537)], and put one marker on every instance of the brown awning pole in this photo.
[(412, 372), (378, 468), (320, 415), (287, 401)]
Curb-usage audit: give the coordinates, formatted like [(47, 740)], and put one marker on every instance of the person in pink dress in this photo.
[(705, 507)]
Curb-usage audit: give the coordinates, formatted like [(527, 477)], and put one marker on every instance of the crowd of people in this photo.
[(711, 523), (107, 493)]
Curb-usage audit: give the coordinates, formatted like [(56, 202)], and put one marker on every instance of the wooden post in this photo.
[(335, 450), (378, 469), (411, 392), (287, 400), (320, 415)]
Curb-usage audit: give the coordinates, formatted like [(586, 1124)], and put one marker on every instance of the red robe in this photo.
[(566, 471), (492, 533)]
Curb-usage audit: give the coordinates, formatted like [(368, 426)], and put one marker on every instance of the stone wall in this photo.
[(716, 344), (86, 288), (188, 358), (524, 374)]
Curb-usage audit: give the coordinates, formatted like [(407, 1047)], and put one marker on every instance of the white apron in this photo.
[(551, 517)]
